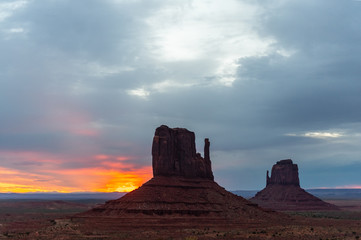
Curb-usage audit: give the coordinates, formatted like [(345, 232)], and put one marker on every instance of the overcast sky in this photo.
[(85, 83)]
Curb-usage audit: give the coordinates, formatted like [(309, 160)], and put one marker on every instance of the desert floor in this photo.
[(29, 219)]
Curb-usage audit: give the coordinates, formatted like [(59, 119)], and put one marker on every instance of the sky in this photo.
[(84, 85)]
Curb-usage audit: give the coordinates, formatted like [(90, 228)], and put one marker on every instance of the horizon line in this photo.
[(115, 192)]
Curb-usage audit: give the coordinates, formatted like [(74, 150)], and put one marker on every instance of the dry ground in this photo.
[(33, 221), (347, 204)]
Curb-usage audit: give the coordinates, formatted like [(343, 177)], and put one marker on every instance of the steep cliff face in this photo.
[(284, 172), (174, 154), (283, 191)]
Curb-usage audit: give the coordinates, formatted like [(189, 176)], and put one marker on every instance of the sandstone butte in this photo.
[(283, 191), (182, 192)]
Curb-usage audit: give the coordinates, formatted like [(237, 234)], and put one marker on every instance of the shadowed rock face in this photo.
[(283, 191), (174, 154), (284, 172)]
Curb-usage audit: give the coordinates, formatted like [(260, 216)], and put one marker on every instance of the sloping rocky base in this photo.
[(173, 201), (290, 198)]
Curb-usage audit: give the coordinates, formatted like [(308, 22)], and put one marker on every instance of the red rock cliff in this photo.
[(174, 154), (284, 172)]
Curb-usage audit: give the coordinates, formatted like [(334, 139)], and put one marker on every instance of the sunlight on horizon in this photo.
[(77, 180)]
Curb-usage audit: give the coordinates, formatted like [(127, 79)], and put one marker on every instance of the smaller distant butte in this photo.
[(283, 191)]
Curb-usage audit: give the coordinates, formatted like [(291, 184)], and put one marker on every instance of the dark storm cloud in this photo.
[(95, 29), (318, 85), (315, 88), (313, 24)]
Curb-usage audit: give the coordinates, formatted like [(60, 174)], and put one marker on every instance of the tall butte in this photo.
[(174, 154), (182, 191), (283, 191)]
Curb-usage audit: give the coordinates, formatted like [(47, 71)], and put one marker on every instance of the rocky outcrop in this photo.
[(174, 154), (283, 191), (181, 193), (284, 172)]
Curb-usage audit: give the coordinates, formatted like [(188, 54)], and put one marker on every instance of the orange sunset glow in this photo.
[(74, 180), (111, 174)]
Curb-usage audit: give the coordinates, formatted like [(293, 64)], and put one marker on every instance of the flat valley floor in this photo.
[(40, 219)]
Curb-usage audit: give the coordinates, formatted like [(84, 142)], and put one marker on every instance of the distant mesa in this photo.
[(283, 191), (181, 192), (284, 172)]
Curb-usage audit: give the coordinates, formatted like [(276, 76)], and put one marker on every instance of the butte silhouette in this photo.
[(283, 191), (182, 191)]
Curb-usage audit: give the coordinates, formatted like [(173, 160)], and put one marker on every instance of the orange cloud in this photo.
[(21, 182), (45, 174), (104, 157), (104, 179), (101, 157), (126, 182), (73, 180), (123, 158)]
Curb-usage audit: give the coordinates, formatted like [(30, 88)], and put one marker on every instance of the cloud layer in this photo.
[(84, 85)]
